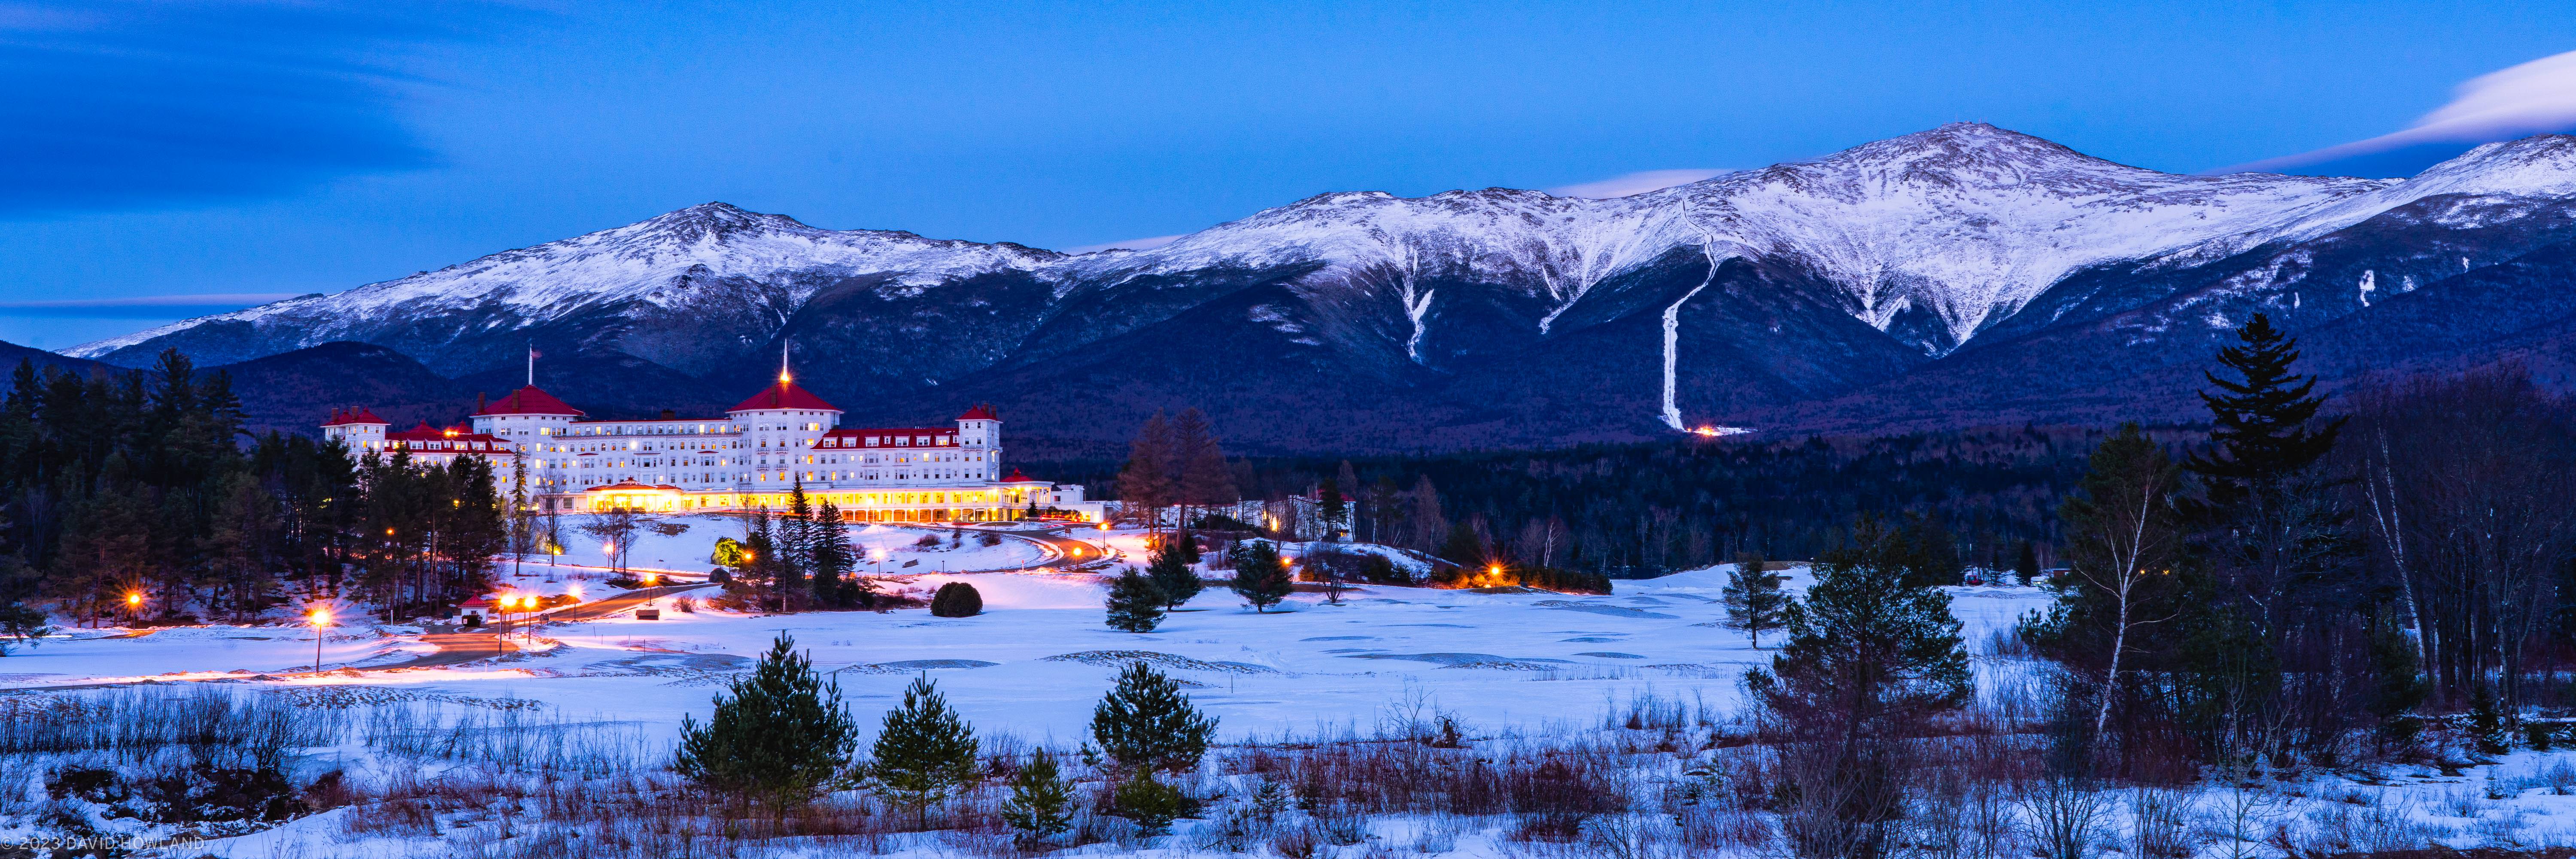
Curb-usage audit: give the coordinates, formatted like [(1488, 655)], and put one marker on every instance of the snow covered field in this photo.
[(1039, 657), (1515, 663)]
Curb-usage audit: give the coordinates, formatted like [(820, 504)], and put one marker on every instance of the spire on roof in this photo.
[(783, 376)]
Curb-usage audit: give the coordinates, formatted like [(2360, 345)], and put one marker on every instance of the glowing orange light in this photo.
[(321, 617), (133, 599), (1494, 569), (1706, 431)]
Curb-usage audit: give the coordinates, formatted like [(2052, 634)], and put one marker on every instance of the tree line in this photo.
[(138, 495), (2315, 575)]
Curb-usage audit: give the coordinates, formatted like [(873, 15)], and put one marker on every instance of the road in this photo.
[(460, 647), (1065, 548)]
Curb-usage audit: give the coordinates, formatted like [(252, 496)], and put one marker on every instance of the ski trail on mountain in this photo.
[(1673, 324)]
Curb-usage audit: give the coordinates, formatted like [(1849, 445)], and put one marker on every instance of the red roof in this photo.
[(981, 412), (528, 401), (784, 395), (447, 439), (886, 437), (1017, 477), (359, 415)]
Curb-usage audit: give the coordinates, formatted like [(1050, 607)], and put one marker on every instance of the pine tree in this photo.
[(1173, 577), (834, 560), (2026, 566), (1753, 598), (1260, 577), (1330, 505), (1041, 803), (2272, 525), (923, 752), (2261, 419), (1867, 662), (1145, 723), (777, 737), (1135, 604), (1463, 547), (795, 538)]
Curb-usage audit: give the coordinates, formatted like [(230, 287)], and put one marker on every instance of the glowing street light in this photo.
[(320, 618)]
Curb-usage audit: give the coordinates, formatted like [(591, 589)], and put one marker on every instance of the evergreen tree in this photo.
[(1041, 803), (2026, 565), (777, 738), (924, 751), (2263, 419), (1463, 547), (1173, 577), (1332, 507), (834, 559), (1867, 661), (1145, 723), (956, 599), (795, 538), (1753, 598), (1135, 604), (2269, 520), (1260, 577)]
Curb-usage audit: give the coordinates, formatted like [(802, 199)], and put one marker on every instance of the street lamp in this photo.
[(321, 617), (133, 606)]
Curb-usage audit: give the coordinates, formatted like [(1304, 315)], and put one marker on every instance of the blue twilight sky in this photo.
[(166, 159)]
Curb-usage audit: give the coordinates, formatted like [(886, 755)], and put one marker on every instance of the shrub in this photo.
[(1149, 802), (956, 599), (927, 541), (1038, 808)]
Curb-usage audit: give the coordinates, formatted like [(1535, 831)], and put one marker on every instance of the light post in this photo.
[(321, 617), (133, 607)]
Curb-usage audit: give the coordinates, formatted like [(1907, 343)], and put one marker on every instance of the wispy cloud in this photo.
[(1146, 243), (125, 103), (1639, 182), (2537, 97), (143, 307)]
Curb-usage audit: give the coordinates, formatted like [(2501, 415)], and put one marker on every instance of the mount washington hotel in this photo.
[(780, 438)]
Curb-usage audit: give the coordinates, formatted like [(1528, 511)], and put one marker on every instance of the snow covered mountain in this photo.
[(1468, 317)]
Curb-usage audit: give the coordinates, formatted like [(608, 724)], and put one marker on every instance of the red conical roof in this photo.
[(1017, 477), (359, 415), (528, 401), (784, 395), (981, 412)]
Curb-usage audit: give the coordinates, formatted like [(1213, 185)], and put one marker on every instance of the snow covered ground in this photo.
[(1530, 664), (1039, 657)]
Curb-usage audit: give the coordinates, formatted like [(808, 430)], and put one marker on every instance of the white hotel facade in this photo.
[(762, 448)]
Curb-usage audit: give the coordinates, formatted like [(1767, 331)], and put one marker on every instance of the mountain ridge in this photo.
[(1750, 297)]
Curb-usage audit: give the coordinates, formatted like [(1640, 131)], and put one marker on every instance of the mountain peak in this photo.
[(716, 220)]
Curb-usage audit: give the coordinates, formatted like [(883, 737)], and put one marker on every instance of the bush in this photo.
[(956, 599), (1152, 804), (927, 541)]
